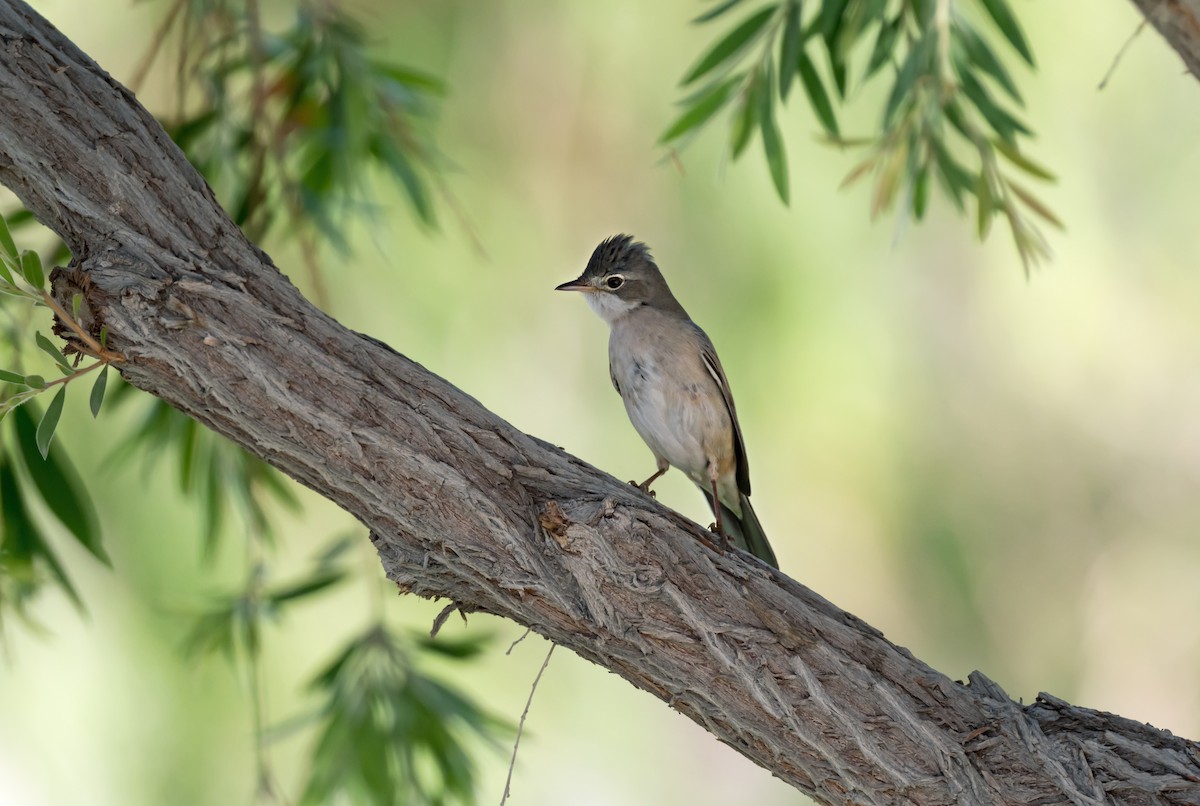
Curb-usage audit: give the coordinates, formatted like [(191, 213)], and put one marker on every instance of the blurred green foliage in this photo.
[(940, 118)]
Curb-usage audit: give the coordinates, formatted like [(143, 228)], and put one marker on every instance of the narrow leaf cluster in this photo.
[(390, 733), (292, 124), (948, 115)]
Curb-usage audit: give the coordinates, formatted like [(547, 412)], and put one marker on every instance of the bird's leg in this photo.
[(718, 527), (663, 467)]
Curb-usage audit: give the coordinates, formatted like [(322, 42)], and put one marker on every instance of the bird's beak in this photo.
[(575, 285)]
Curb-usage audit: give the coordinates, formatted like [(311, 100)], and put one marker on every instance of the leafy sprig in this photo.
[(391, 733), (292, 124), (944, 117)]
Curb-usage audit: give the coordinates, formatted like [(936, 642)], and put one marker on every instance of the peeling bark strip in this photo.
[(463, 506)]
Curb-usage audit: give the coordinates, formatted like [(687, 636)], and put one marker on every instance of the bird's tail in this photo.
[(745, 531)]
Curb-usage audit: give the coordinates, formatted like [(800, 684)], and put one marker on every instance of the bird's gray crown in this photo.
[(634, 278), (616, 254)]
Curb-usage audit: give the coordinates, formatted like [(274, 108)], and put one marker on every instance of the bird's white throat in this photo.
[(609, 307)]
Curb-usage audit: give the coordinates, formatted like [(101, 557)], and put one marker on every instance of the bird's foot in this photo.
[(724, 544), (644, 487)]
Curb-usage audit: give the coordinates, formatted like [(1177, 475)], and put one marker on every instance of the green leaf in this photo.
[(789, 49), (716, 11), (745, 124), (773, 142), (705, 107), (8, 249), (58, 484), (1002, 15), (50, 349), (954, 177), (22, 539), (20, 535), (920, 192), (35, 381), (986, 209), (830, 19), (307, 587), (1007, 126), (817, 96), (45, 429), (1035, 204), (1018, 159), (733, 42), (11, 377), (31, 267), (96, 399), (915, 64), (885, 44), (982, 57)]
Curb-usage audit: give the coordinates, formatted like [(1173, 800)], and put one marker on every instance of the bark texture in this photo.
[(1179, 23), (461, 505)]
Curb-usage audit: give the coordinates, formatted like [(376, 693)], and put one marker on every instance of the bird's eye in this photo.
[(615, 282)]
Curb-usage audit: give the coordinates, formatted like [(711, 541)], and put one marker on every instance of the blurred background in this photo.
[(1001, 472)]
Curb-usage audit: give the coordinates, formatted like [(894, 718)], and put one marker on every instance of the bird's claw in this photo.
[(725, 543), (644, 488)]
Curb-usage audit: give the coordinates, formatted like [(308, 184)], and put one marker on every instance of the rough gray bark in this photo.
[(1179, 23), (461, 505)]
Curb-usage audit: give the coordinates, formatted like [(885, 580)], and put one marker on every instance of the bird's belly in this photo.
[(684, 423)]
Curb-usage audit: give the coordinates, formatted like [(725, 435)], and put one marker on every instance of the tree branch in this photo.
[(1179, 23), (461, 505)]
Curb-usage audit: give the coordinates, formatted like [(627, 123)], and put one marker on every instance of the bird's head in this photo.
[(621, 276)]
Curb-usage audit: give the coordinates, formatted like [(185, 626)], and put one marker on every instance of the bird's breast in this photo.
[(670, 398)]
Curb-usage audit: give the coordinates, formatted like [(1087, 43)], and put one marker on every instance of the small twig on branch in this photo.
[(521, 725), (513, 645), (1121, 54)]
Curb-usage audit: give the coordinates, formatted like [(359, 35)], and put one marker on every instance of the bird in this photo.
[(674, 388)]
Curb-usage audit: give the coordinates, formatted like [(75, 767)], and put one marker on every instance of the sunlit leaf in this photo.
[(704, 108), (915, 64), (920, 193), (773, 144), (7, 247), (1035, 204), (789, 49), (829, 19), (51, 349), (954, 178), (96, 398), (745, 123), (46, 428), (58, 484), (31, 268), (307, 587), (1007, 126), (22, 539), (986, 205), (730, 45), (1013, 154), (817, 96), (1002, 15), (716, 11), (885, 44), (981, 56)]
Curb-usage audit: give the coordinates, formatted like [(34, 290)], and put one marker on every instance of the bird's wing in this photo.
[(708, 354), (612, 376)]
